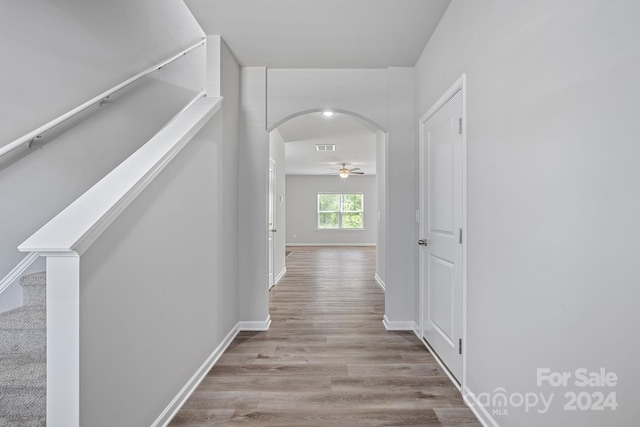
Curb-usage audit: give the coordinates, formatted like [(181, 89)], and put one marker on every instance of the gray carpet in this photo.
[(23, 376)]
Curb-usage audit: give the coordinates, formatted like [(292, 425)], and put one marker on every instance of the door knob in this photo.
[(274, 231), (423, 242)]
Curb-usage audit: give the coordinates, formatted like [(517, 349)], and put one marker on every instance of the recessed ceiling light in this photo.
[(327, 113)]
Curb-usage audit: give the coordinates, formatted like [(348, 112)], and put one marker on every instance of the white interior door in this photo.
[(441, 194), (272, 217)]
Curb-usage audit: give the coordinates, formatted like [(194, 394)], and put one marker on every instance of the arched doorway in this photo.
[(309, 149)]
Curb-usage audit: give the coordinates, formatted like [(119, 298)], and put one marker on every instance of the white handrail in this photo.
[(20, 268), (31, 136), (75, 228)]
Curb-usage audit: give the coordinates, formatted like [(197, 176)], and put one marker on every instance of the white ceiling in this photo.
[(321, 33), (355, 142)]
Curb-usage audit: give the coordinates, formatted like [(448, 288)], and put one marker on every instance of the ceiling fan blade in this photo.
[(356, 173), (354, 169)]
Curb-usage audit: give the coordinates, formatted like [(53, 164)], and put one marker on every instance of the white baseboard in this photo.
[(380, 282), (279, 276), (255, 325), (398, 325), (478, 410), (440, 362), (331, 244), (469, 398), (416, 329), (174, 406)]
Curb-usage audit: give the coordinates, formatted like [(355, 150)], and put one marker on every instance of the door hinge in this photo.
[(460, 239), (460, 126), (460, 346)]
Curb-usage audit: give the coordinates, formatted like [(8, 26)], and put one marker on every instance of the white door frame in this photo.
[(272, 201), (459, 85)]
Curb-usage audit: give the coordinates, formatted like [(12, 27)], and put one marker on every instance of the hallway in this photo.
[(327, 358)]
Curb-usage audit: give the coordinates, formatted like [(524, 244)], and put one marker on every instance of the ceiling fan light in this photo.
[(327, 113), (344, 175)]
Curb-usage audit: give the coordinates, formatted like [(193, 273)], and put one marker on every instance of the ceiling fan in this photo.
[(344, 172)]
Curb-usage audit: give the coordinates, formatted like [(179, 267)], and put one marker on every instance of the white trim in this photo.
[(340, 229), (478, 410), (18, 270), (391, 325), (179, 400), (255, 325), (460, 85), (440, 362), (280, 276), (82, 222), (469, 398), (380, 282), (416, 328), (331, 244), (319, 110), (463, 86), (63, 340), (272, 213)]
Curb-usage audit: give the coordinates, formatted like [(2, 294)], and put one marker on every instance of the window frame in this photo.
[(340, 211)]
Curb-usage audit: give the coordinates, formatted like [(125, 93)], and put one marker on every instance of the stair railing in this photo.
[(65, 238), (96, 100), (29, 138)]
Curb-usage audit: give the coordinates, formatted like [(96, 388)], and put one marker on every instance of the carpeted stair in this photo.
[(23, 378)]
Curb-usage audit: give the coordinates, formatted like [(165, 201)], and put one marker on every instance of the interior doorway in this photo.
[(318, 149)]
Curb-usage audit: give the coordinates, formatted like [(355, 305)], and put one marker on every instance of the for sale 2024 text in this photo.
[(595, 392)]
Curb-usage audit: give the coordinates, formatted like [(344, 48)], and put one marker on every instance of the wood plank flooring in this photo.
[(327, 359)]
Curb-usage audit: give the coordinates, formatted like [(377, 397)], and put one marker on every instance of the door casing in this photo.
[(458, 86), (272, 220)]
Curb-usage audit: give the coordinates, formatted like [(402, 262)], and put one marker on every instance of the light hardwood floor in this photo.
[(327, 359)]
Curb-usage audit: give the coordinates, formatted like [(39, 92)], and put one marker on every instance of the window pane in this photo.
[(352, 202), (328, 202), (328, 220), (352, 220)]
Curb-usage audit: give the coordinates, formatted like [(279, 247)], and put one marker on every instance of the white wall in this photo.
[(173, 251), (227, 193), (159, 288), (400, 300), (302, 209), (359, 91), (276, 152), (384, 98), (552, 194), (62, 54), (154, 302), (254, 186)]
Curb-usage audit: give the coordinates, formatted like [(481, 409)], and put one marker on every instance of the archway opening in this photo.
[(314, 205)]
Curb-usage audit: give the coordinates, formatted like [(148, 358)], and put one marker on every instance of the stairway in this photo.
[(23, 381)]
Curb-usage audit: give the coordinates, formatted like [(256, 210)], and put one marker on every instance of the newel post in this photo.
[(63, 339)]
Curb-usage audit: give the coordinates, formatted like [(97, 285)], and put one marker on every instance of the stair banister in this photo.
[(96, 100), (65, 238)]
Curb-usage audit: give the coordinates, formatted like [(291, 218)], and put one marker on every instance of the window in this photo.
[(340, 211)]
